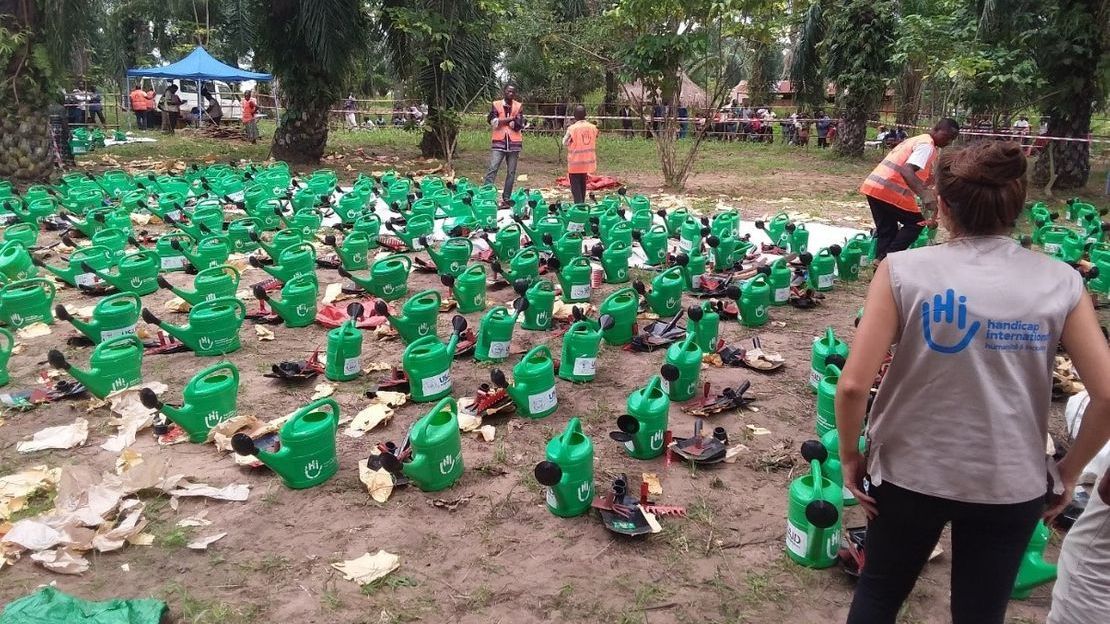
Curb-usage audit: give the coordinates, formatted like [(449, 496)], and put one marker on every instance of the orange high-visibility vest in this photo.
[(582, 148), (505, 138), (886, 184)]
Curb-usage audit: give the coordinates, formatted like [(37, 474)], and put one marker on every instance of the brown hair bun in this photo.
[(989, 163), (983, 186)]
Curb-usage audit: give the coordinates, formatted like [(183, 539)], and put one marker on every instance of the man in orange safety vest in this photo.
[(581, 142), (894, 187), (506, 121)]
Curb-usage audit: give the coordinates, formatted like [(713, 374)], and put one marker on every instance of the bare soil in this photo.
[(500, 556)]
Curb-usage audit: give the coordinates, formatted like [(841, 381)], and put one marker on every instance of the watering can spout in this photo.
[(87, 328)]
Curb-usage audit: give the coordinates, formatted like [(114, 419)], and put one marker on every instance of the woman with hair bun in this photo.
[(957, 430)]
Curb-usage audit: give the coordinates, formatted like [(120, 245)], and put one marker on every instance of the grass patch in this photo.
[(197, 610), (175, 538), (393, 582), (39, 503)]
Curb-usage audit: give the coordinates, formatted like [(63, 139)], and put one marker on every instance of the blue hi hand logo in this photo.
[(952, 312)]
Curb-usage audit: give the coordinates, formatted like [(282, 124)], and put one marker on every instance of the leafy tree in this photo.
[(807, 72), (37, 39), (310, 47)]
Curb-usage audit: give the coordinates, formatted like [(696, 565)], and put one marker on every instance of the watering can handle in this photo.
[(573, 426), (119, 340), (407, 261), (218, 300), (537, 349), (123, 294), (312, 405), (228, 366), (41, 280), (444, 403)]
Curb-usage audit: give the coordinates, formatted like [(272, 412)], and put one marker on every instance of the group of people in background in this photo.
[(85, 105)]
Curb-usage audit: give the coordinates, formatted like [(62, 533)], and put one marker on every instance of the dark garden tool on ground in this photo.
[(210, 398), (305, 370), (621, 511), (114, 365), (753, 357), (489, 401), (700, 449), (658, 334), (728, 400), (57, 391), (568, 472), (307, 455)]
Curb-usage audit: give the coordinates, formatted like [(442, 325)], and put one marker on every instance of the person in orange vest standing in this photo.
[(506, 119), (581, 142), (250, 116), (895, 185)]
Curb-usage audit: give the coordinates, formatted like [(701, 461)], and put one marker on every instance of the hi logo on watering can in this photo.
[(642, 430), (524, 266), (417, 318), (115, 365), (436, 460), (798, 241), (27, 301), (653, 242), (208, 252), (344, 352), (704, 324), (541, 304), (755, 301), (533, 387), (416, 227), (581, 343), (622, 307), (665, 297), (5, 355), (389, 277), (682, 368), (15, 261), (210, 398), (495, 332), (568, 472), (823, 347), (213, 327), (114, 316), (614, 261), (574, 278), (297, 307), (306, 456), (452, 256), (468, 288), (354, 253), (209, 284), (813, 519), (427, 363)]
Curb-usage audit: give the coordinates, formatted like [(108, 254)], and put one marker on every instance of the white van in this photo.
[(230, 100)]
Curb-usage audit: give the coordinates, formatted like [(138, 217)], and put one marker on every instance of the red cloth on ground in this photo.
[(593, 183)]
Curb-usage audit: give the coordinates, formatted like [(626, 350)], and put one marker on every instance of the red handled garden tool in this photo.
[(297, 372), (56, 391), (658, 334), (489, 401), (622, 512), (699, 449), (728, 400), (753, 357)]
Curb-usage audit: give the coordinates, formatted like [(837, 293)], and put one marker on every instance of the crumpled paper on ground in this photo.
[(249, 424), (371, 416), (488, 432), (61, 561), (379, 483), (331, 291), (234, 492), (323, 389), (132, 415), (368, 568), (61, 437), (199, 519), (34, 330), (263, 333), (176, 304), (16, 488), (202, 543)]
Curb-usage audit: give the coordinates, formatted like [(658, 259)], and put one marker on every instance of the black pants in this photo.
[(140, 119), (987, 545), (578, 186), (822, 142), (895, 229), (97, 114)]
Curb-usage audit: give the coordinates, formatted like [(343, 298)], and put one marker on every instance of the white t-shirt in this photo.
[(920, 155), (1021, 124)]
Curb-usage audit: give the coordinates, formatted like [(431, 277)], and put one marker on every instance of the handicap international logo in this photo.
[(947, 311)]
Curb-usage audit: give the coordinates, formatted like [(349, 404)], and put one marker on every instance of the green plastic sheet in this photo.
[(51, 606)]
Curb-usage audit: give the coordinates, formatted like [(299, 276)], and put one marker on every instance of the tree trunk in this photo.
[(301, 135), (851, 132), (909, 96), (611, 87), (25, 140), (1072, 158)]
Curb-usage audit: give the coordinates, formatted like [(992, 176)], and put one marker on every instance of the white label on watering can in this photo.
[(542, 401), (1051, 248), (797, 541), (814, 378), (439, 383), (580, 291), (174, 215), (499, 349), (85, 279), (864, 261), (574, 226), (696, 281), (7, 218), (109, 334), (665, 385), (782, 294), (352, 365), (550, 497), (825, 281), (585, 366), (685, 244)]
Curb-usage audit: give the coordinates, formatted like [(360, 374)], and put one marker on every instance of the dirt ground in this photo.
[(500, 556)]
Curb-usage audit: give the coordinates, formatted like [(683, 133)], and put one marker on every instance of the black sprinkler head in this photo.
[(813, 449), (380, 308), (57, 360), (355, 310), (695, 313), (548, 473), (669, 372), (497, 376), (149, 399), (458, 323), (821, 514), (243, 444), (628, 423)]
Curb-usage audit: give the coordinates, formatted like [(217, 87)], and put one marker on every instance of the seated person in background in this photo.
[(214, 112), (880, 138)]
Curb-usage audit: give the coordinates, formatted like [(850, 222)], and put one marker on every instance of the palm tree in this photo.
[(309, 47), (36, 40)]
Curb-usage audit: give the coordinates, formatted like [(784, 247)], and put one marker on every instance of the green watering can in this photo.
[(306, 455), (821, 269), (350, 206), (568, 472), (436, 462), (775, 228), (691, 234), (823, 347), (208, 285), (726, 224), (210, 398), (417, 318), (297, 307), (723, 248), (614, 261), (826, 395), (282, 240), (5, 355), (642, 430), (755, 300), (213, 327), (665, 298), (114, 316), (344, 354), (566, 248), (34, 211), (1071, 248), (653, 242), (298, 260), (90, 224), (799, 238), (167, 206), (239, 235), (506, 243), (674, 220), (23, 233), (524, 266), (547, 229), (609, 219), (170, 259), (813, 519), (370, 225), (415, 227), (693, 268), (621, 306), (541, 304), (620, 233), (74, 275), (27, 301), (306, 221), (15, 261), (682, 368), (533, 387), (581, 343), (495, 332), (266, 212), (353, 253), (641, 219), (452, 256), (209, 252), (1034, 570), (827, 451), (137, 273), (705, 324), (576, 218), (427, 363), (468, 288), (115, 365), (389, 277), (204, 221), (574, 278), (852, 258), (779, 281)]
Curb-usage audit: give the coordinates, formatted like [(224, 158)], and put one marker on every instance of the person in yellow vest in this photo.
[(506, 119), (581, 142), (896, 184)]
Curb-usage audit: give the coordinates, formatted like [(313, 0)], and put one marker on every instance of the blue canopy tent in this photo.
[(198, 66)]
